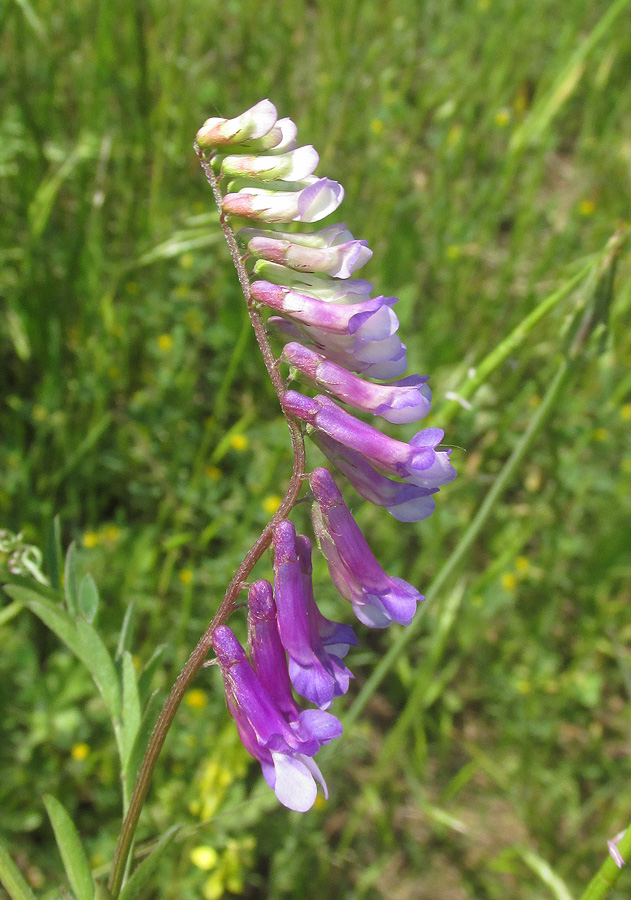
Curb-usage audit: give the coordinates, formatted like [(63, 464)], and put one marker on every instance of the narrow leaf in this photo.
[(12, 879), (146, 676), (132, 712), (53, 616), (127, 631), (53, 557), (95, 656), (88, 598), (70, 580), (71, 849), (147, 867)]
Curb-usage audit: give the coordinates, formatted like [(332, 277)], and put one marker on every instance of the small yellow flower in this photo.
[(483, 5), (182, 291), (90, 539), (522, 565), (186, 576), (79, 752), (587, 207), (452, 251), (509, 581), (239, 442), (625, 412), (376, 126), (320, 802), (40, 413), (187, 260), (270, 504), (455, 133), (204, 857), (524, 687), (601, 434), (165, 342), (196, 698), (502, 117), (111, 533), (213, 473), (534, 401)]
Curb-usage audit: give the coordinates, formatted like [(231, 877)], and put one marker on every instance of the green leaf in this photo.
[(88, 598), (12, 879), (53, 557), (149, 719), (71, 849), (95, 656), (147, 867), (132, 713), (127, 631), (80, 637), (53, 616), (146, 676), (70, 580)]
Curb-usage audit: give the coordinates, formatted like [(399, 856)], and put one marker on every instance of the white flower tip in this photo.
[(250, 125)]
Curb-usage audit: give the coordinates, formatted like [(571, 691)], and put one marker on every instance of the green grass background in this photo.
[(485, 148)]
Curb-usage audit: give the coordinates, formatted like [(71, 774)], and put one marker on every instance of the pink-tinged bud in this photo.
[(293, 166), (402, 402), (314, 202), (254, 123), (377, 598), (339, 261)]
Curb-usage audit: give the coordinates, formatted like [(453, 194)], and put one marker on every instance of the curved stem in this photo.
[(198, 656)]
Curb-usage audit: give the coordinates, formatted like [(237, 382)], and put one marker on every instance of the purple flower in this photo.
[(339, 260), (352, 319), (315, 673), (417, 461), (317, 199), (377, 598), (405, 502), (284, 749), (404, 401)]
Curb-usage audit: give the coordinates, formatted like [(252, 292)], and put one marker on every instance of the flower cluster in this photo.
[(339, 336)]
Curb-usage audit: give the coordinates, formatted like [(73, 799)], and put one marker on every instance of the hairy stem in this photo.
[(198, 656)]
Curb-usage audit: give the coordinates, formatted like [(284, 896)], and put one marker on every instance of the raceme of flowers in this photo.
[(344, 342)]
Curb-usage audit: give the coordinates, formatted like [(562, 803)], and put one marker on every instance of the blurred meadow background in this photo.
[(485, 148)]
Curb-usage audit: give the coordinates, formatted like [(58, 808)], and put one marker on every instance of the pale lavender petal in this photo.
[(294, 784), (338, 261), (312, 203)]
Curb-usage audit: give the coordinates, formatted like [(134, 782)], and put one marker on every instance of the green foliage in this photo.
[(484, 148)]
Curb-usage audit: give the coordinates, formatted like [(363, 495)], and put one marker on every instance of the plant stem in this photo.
[(198, 656), (608, 874)]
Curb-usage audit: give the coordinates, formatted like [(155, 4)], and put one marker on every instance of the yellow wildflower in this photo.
[(238, 442), (196, 698), (90, 539), (165, 342), (509, 581), (186, 576), (79, 752), (204, 857), (270, 504)]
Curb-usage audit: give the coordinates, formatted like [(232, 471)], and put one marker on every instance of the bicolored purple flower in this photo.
[(317, 199), (339, 259), (417, 461), (284, 749), (377, 598), (405, 502), (402, 401), (316, 674), (369, 320)]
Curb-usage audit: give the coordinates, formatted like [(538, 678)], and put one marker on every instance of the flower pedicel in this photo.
[(339, 337)]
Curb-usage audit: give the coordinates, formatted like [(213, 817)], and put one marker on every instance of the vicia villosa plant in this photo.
[(340, 337)]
